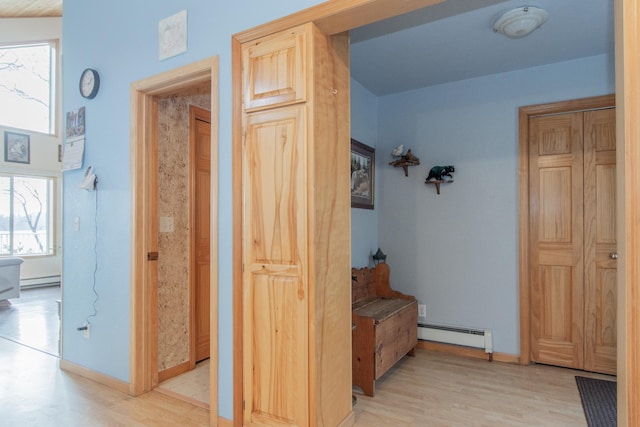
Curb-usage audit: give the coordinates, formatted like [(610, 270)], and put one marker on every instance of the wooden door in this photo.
[(573, 240), (275, 290), (201, 134), (600, 240), (556, 233)]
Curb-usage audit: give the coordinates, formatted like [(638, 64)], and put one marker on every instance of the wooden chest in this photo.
[(385, 326)]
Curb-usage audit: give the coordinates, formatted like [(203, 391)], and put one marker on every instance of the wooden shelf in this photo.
[(437, 182), (405, 161)]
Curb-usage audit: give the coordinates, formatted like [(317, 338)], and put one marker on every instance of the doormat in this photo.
[(598, 401)]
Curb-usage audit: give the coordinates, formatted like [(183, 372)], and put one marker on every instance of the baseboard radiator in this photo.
[(468, 337)]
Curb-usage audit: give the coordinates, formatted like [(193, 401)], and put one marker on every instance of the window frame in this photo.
[(54, 71), (52, 212)]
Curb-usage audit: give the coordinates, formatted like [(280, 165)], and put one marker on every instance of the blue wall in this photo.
[(120, 40), (364, 222), (457, 252)]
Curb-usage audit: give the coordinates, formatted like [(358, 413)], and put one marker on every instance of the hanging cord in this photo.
[(95, 254), (95, 265)]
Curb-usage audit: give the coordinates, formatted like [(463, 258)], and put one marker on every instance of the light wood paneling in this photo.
[(295, 234), (330, 377), (200, 183), (276, 287), (556, 233), (30, 9), (274, 70), (600, 241), (337, 16)]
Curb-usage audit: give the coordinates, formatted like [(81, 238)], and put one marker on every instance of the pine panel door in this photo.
[(202, 237), (556, 231), (573, 238), (275, 291), (600, 240)]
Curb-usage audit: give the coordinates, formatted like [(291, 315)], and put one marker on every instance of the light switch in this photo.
[(76, 223), (166, 224)]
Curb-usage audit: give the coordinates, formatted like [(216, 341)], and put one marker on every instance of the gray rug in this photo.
[(598, 401)]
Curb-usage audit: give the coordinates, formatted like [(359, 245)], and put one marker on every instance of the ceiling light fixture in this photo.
[(520, 22)]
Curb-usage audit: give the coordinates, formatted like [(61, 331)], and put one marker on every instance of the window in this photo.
[(27, 82), (26, 215)]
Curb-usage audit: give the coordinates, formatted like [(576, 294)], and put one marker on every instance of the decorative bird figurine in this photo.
[(397, 152)]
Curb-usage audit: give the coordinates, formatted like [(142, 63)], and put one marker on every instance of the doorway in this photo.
[(149, 224), (332, 19)]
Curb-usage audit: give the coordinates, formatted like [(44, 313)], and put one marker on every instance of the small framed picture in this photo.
[(363, 162), (16, 147)]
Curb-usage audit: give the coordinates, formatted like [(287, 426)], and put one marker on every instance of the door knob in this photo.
[(614, 255)]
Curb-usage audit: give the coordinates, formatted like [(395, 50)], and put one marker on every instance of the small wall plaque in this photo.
[(172, 35)]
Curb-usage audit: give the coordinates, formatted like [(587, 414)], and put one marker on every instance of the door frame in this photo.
[(335, 16), (524, 114), (143, 362)]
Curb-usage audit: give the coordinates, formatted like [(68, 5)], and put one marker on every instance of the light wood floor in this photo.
[(431, 389), (434, 389), (192, 386)]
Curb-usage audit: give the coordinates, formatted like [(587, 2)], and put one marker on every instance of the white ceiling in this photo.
[(454, 41)]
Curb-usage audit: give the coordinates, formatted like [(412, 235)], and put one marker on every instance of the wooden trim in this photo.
[(182, 397), (174, 371), (192, 243), (215, 239), (92, 375), (143, 307), (236, 136), (474, 353), (195, 114), (627, 42), (506, 358), (349, 420), (523, 234), (337, 16), (524, 114), (140, 352), (573, 105), (223, 422)]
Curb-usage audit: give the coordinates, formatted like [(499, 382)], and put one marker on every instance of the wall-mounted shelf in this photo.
[(405, 161), (437, 183)]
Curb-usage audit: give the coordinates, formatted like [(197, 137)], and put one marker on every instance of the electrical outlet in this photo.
[(87, 332), (422, 310)]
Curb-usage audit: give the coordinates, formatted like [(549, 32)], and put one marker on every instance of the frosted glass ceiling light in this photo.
[(520, 22)]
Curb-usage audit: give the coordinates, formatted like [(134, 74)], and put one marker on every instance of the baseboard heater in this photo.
[(468, 337)]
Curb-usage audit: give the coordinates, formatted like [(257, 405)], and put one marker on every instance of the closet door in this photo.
[(275, 291), (296, 300), (573, 240), (556, 232), (600, 240)]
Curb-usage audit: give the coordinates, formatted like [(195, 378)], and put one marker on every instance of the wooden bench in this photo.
[(385, 325)]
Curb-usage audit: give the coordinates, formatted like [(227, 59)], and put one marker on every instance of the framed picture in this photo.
[(363, 162), (16, 147)]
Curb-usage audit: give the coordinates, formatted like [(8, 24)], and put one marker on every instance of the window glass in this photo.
[(26, 86), (25, 215)]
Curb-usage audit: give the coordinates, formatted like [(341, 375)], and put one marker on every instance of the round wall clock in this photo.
[(89, 83)]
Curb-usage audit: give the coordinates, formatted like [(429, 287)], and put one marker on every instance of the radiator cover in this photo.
[(468, 337)]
